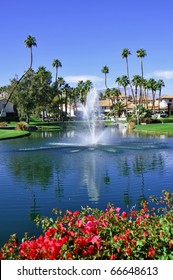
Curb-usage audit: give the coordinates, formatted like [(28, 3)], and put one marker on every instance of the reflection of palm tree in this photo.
[(139, 168), (107, 178), (59, 190), (34, 209)]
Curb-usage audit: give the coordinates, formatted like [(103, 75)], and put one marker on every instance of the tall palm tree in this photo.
[(125, 53), (56, 63), (141, 53), (160, 84), (105, 71), (30, 42)]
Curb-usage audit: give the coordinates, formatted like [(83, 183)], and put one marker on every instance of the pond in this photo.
[(54, 170)]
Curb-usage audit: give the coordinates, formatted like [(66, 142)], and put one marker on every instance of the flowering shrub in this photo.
[(90, 234)]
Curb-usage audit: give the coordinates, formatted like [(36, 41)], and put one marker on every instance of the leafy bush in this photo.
[(167, 120), (22, 126), (90, 234)]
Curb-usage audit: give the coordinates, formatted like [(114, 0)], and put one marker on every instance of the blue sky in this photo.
[(85, 35)]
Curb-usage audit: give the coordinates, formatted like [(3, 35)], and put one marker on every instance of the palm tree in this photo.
[(125, 53), (160, 84), (30, 42), (137, 82), (83, 88), (119, 108), (141, 53), (146, 88), (112, 93), (105, 70), (117, 80), (152, 84), (56, 63), (125, 82)]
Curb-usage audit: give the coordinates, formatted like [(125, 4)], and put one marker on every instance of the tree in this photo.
[(83, 88), (119, 108), (141, 53), (159, 85), (117, 80), (112, 94), (125, 53), (105, 71), (125, 82), (56, 63), (29, 42), (137, 81), (43, 79), (152, 84), (66, 92), (24, 97)]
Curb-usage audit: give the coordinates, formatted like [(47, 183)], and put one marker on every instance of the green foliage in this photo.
[(144, 234)]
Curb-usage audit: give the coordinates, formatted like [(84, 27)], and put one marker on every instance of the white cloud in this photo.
[(164, 74), (76, 79)]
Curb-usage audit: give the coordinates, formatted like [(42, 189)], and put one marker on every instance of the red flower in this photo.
[(124, 215), (113, 257), (50, 232), (128, 251), (145, 233), (151, 252)]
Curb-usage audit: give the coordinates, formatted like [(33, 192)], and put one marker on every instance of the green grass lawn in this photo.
[(159, 127), (8, 134)]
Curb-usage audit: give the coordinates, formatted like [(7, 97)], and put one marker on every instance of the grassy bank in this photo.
[(8, 134), (158, 128)]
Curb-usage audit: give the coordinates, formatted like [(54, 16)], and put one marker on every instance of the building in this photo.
[(9, 109)]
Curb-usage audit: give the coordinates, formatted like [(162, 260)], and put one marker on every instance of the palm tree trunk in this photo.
[(127, 67), (13, 89)]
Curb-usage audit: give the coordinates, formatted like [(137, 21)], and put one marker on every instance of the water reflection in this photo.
[(87, 168), (45, 171)]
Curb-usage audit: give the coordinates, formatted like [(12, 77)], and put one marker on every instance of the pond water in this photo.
[(54, 170)]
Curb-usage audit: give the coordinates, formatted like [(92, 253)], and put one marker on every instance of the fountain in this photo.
[(91, 112)]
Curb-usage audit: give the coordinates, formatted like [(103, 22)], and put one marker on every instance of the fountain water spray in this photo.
[(91, 113)]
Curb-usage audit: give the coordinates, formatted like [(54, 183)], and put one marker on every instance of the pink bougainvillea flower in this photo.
[(117, 209)]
